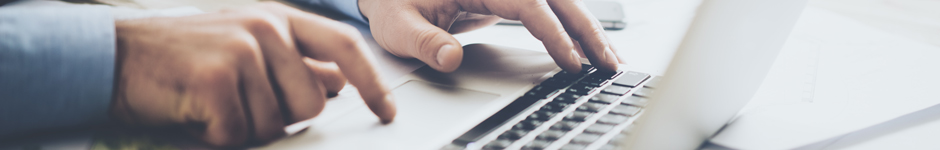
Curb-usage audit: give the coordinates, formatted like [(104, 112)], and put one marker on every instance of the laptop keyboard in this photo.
[(584, 110)]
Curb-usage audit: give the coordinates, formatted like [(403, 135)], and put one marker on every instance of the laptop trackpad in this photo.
[(426, 111), (421, 103)]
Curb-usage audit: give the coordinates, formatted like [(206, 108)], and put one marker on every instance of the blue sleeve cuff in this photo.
[(348, 7), (56, 65)]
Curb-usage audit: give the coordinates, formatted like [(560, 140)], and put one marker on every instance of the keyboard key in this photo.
[(598, 128), (498, 144), (557, 82), (554, 106), (599, 74), (585, 68), (585, 138), (527, 124), (573, 147), (550, 135), (580, 89), (579, 116), (616, 90), (536, 145), (541, 92), (626, 110), (591, 83), (493, 147), (496, 120), (635, 101), (564, 75), (643, 92), (564, 125), (512, 135), (612, 119), (542, 88), (631, 79), (541, 115), (604, 98), (567, 97), (595, 79), (591, 106)]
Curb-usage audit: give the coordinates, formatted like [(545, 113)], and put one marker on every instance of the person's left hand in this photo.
[(422, 29), (240, 76)]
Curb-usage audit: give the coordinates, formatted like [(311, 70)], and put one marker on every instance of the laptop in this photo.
[(507, 98)]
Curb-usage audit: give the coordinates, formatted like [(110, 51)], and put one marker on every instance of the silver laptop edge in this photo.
[(722, 60)]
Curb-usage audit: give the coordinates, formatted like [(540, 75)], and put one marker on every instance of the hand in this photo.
[(239, 76), (422, 28)]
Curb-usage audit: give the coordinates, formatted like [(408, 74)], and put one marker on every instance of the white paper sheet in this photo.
[(833, 77)]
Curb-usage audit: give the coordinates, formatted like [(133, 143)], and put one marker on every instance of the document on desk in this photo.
[(835, 76)]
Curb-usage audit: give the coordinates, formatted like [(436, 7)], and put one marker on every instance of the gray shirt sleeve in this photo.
[(56, 65), (348, 7)]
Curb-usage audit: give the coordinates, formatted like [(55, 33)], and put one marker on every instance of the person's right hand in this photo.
[(239, 76), (422, 29)]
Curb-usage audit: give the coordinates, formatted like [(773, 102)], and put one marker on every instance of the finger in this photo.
[(583, 27), (408, 34), (541, 22), (577, 48), (227, 129), (303, 96), (258, 95), (328, 40), (613, 48), (620, 59), (328, 74)]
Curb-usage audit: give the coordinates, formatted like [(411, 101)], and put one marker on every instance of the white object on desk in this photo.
[(864, 77), (917, 130)]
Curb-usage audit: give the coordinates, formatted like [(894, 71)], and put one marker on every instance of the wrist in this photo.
[(119, 109)]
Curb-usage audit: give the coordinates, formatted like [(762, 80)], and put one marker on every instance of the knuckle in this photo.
[(348, 37), (423, 43), (259, 21), (242, 49)]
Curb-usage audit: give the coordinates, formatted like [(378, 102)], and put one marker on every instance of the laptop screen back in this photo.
[(727, 51)]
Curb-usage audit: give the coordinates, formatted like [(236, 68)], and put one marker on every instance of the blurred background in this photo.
[(917, 19), (655, 27)]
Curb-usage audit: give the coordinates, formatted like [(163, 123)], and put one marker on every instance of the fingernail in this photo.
[(391, 110), (443, 53)]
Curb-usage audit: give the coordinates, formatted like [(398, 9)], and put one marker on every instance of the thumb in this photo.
[(410, 35)]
